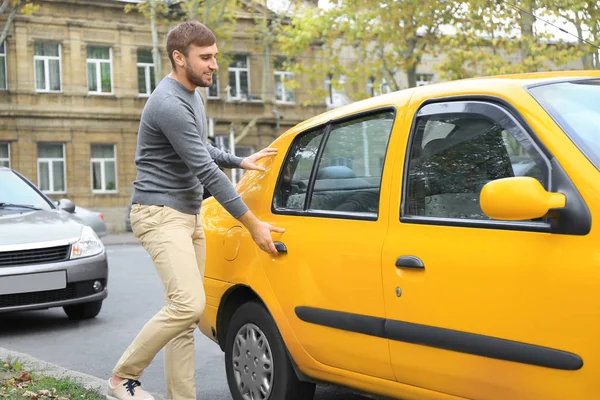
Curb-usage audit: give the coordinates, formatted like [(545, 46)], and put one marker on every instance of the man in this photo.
[(174, 162)]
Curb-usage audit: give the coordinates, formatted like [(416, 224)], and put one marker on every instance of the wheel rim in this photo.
[(252, 363)]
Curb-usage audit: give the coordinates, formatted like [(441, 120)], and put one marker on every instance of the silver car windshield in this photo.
[(15, 192), (575, 106)]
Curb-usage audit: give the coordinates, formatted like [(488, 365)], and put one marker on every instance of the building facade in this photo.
[(74, 78)]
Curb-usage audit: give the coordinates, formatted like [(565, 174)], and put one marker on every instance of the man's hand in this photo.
[(249, 162), (261, 232)]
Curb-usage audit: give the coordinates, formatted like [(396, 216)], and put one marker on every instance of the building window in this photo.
[(2, 66), (99, 70), (104, 168), (239, 78), (145, 66), (424, 79), (51, 168), (5, 155), (283, 91), (46, 61), (212, 92)]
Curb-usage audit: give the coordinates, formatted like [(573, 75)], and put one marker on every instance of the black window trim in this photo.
[(315, 167), (478, 101), (326, 127), (572, 79)]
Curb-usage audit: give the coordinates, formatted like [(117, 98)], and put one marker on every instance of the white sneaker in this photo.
[(129, 389)]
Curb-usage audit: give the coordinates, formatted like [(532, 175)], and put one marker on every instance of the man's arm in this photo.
[(222, 158), (179, 126)]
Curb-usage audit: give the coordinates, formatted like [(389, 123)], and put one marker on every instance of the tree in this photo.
[(216, 14), (496, 38), (24, 6), (381, 39), (585, 17)]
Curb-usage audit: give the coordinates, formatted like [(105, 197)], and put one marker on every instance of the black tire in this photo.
[(77, 312), (285, 383)]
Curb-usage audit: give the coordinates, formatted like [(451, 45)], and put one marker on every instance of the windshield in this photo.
[(575, 106), (14, 190)]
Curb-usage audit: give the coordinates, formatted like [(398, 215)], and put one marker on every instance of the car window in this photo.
[(575, 106), (293, 183), (15, 190), (349, 173), (453, 156)]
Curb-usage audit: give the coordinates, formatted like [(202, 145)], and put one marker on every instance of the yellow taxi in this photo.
[(439, 244)]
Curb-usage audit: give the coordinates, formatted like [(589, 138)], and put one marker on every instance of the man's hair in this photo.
[(185, 34)]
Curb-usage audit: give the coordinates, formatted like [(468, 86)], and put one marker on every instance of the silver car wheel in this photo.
[(252, 363)]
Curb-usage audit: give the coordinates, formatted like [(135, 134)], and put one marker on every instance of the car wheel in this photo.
[(81, 311), (256, 360)]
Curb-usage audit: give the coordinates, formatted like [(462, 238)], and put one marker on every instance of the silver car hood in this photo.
[(27, 226)]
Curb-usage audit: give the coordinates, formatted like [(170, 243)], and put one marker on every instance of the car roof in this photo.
[(493, 86)]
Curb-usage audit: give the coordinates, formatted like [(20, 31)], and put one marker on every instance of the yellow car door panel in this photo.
[(476, 307), (327, 199)]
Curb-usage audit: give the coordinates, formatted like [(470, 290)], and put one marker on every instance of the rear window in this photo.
[(575, 106)]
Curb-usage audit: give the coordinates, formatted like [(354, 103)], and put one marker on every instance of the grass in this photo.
[(17, 383)]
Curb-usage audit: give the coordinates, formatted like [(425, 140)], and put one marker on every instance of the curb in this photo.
[(33, 364)]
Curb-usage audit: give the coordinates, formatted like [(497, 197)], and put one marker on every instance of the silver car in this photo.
[(92, 218), (48, 257)]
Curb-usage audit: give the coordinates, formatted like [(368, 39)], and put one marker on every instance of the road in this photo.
[(94, 346)]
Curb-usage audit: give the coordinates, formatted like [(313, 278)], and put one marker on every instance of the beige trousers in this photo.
[(177, 245)]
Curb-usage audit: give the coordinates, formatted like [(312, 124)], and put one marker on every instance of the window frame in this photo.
[(326, 128), (238, 85), (147, 76), (474, 105), (50, 161), (283, 75), (46, 61), (217, 81), (6, 159), (102, 162), (3, 56), (98, 62)]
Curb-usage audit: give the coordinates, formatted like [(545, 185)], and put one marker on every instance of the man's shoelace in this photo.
[(130, 385)]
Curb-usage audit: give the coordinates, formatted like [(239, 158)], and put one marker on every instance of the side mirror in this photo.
[(66, 205), (518, 199)]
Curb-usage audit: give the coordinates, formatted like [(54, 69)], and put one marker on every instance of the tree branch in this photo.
[(246, 130), (9, 21), (222, 11), (385, 66), (3, 7)]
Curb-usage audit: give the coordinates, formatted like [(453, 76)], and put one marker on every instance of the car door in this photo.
[(482, 308), (328, 198)]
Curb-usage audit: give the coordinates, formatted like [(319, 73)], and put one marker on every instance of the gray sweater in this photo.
[(174, 161)]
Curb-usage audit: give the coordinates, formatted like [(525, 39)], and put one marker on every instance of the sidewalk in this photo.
[(32, 364), (115, 239)]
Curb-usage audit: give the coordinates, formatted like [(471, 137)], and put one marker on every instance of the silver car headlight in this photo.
[(88, 244)]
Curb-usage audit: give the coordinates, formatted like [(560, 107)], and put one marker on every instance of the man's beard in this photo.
[(195, 78)]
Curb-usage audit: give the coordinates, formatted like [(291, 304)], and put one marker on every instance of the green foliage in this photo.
[(495, 38), (218, 15), (389, 39), (370, 38)]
